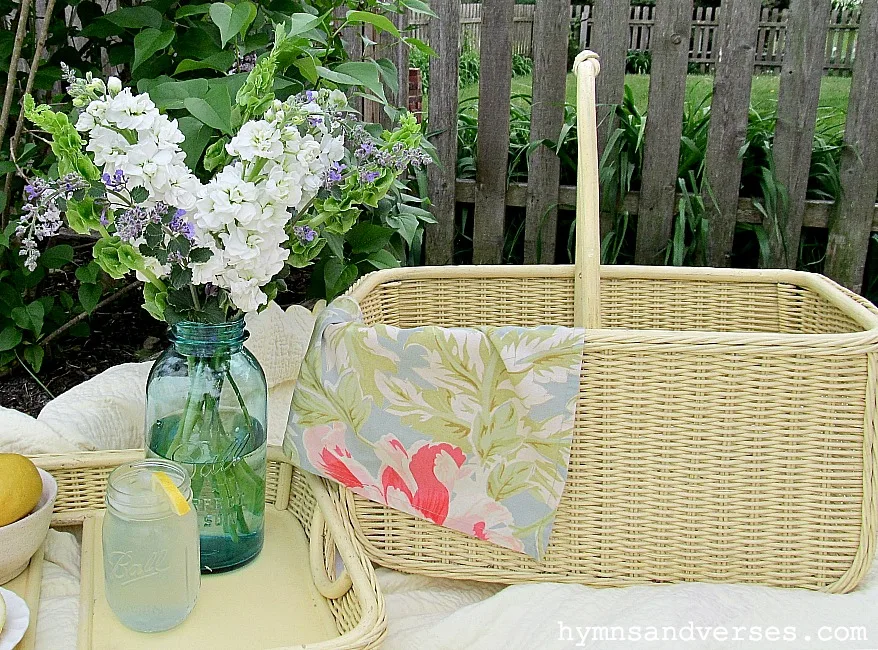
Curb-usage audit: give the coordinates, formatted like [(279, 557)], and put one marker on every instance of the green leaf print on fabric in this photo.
[(469, 428)]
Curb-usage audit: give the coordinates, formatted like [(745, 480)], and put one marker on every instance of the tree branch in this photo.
[(20, 33), (81, 317), (29, 85)]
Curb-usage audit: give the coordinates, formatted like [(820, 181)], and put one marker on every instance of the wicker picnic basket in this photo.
[(725, 430), (352, 596)]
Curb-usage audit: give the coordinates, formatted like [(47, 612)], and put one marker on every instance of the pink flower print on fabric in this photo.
[(429, 480), (328, 451)]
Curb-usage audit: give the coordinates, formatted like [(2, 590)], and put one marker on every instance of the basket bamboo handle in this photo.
[(329, 588), (587, 279)]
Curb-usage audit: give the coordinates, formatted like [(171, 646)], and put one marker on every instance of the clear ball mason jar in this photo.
[(151, 567), (206, 408)]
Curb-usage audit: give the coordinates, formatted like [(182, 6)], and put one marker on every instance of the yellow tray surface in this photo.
[(269, 603)]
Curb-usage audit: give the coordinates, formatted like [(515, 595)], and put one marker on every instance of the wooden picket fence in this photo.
[(840, 49), (850, 221)]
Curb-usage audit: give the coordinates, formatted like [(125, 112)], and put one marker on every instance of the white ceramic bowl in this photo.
[(21, 539)]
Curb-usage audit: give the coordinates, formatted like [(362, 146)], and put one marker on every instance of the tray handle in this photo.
[(587, 279), (329, 588)]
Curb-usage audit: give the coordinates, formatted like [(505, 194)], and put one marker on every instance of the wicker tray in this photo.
[(725, 429), (289, 595)]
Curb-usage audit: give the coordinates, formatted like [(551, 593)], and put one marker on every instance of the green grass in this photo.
[(834, 91)]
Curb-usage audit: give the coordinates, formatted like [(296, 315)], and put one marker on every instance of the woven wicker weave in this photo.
[(352, 597), (726, 424)]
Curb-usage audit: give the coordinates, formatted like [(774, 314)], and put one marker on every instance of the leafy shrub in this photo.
[(31, 308), (190, 58), (522, 66), (468, 68), (638, 62)]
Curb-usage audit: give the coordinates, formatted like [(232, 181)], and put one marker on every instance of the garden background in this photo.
[(503, 192)]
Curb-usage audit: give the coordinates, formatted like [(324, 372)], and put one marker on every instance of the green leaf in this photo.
[(420, 46), (335, 242), (215, 109), (192, 10), (367, 74), (418, 7), (381, 23), (150, 41), (338, 276), (197, 136), (88, 274), (139, 194), (405, 224), (383, 259), (171, 95), (55, 257), (101, 28), (36, 311), (368, 238), (388, 73), (9, 338), (508, 479), (180, 277), (34, 354), (336, 77), (216, 154), (220, 61), (10, 295), (200, 255), (232, 20), (308, 69), (300, 23), (136, 17), (7, 167), (89, 296), (66, 300), (30, 317)]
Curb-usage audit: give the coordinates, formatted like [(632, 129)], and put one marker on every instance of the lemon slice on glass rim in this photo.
[(161, 482)]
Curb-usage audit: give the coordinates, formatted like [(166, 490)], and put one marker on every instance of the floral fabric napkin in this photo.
[(469, 428)]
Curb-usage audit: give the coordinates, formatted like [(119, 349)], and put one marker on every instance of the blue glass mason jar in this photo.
[(206, 408)]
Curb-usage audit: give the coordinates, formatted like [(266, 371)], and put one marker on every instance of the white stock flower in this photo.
[(241, 243), (245, 293), (109, 148), (128, 111), (210, 270), (257, 138), (331, 149), (337, 99), (283, 187)]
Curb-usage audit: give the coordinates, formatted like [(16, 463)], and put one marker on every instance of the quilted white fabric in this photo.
[(436, 614)]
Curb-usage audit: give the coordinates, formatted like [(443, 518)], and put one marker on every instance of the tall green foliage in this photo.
[(193, 59)]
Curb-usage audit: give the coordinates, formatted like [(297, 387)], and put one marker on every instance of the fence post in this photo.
[(664, 126), (551, 29), (610, 39), (397, 52), (797, 101), (850, 224), (352, 37), (736, 38), (442, 122), (492, 159)]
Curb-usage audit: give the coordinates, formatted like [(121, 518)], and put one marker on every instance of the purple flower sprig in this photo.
[(305, 234), (41, 213)]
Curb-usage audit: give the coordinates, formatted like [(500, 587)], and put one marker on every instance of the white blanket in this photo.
[(435, 614)]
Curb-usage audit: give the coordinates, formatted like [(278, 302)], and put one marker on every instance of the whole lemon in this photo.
[(20, 487)]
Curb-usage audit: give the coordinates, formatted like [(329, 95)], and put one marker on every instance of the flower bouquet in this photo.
[(293, 178)]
